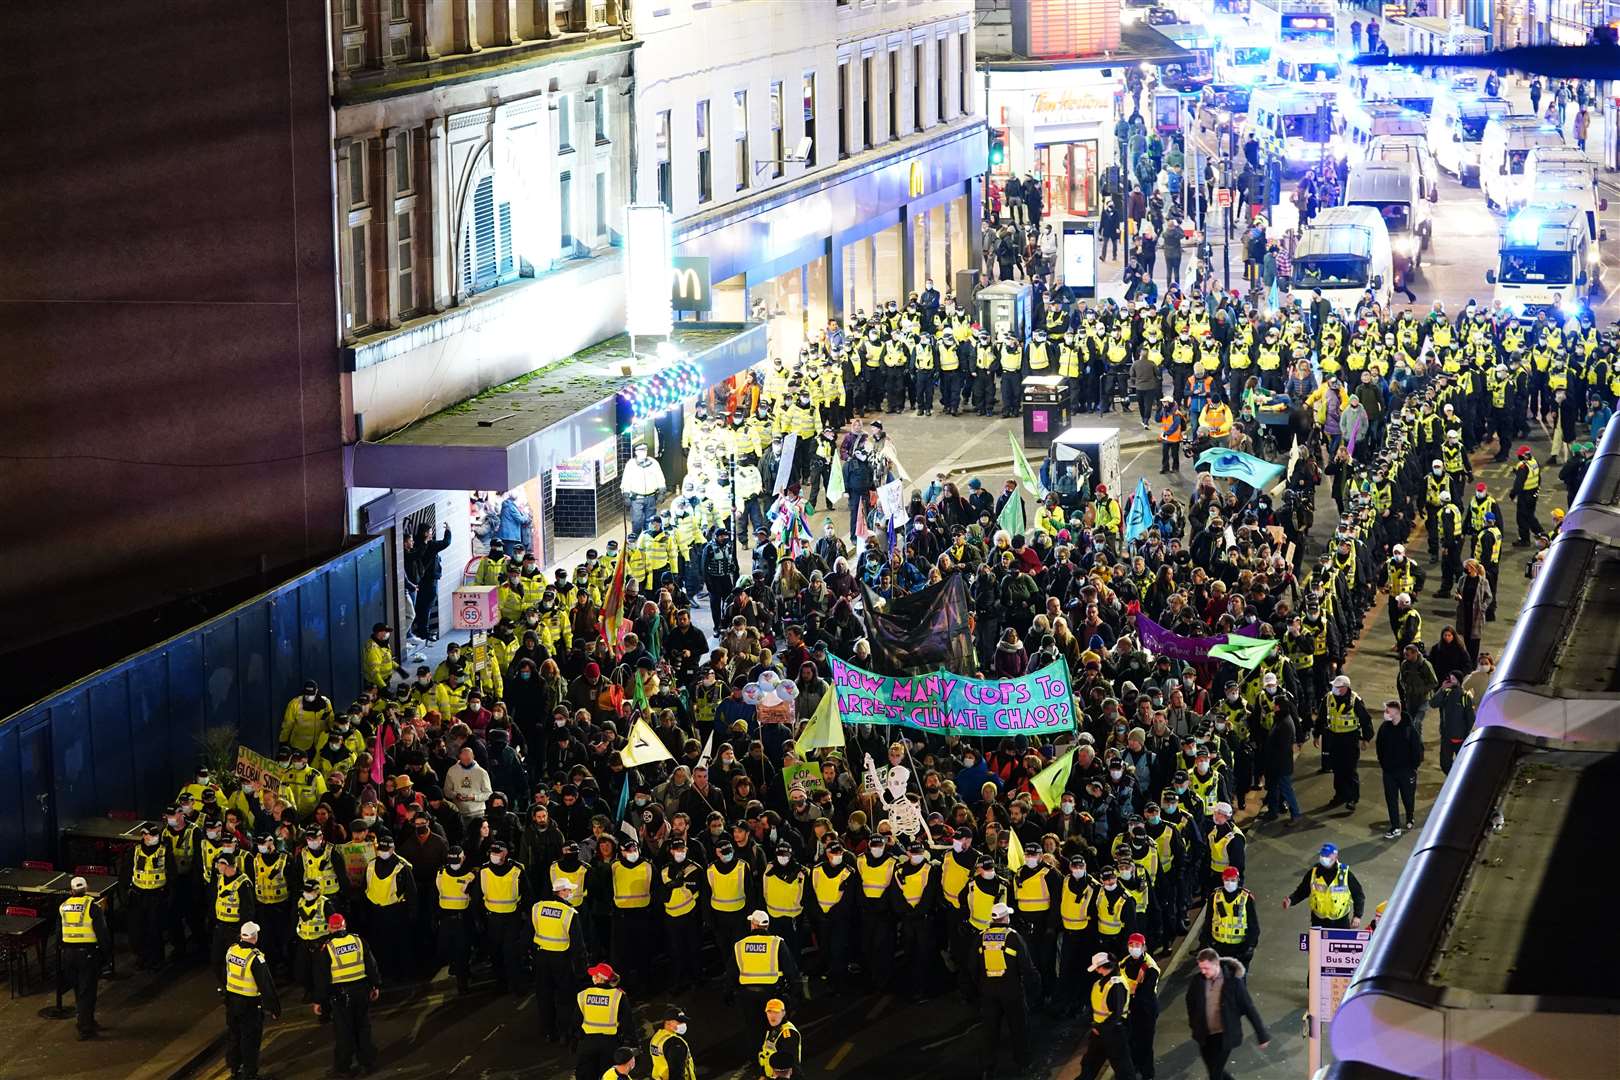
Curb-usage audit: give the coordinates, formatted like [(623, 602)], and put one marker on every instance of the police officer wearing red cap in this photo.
[(345, 986), (1232, 925), (1141, 973), (604, 1022), (1526, 488)]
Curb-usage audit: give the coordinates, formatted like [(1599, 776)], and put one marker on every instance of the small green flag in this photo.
[(1246, 652), (1012, 515), (1026, 475), (1050, 781), (639, 695), (835, 483), (825, 731)]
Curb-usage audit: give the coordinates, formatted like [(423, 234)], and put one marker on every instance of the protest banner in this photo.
[(805, 775), (255, 767), (357, 855), (1034, 704), (780, 712)]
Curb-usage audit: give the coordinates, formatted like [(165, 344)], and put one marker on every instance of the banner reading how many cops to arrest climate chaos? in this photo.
[(1033, 704)]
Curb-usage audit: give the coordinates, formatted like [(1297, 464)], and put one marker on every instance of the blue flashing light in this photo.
[(1523, 229)]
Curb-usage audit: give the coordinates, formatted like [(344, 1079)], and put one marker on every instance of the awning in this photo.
[(511, 433)]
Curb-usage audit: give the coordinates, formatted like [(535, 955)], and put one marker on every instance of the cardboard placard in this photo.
[(256, 768), (804, 775), (780, 713), (357, 855)]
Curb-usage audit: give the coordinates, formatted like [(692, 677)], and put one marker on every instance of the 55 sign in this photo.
[(689, 283)]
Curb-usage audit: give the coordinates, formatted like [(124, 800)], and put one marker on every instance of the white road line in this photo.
[(882, 1003), (460, 1063), (492, 1032), (944, 466)]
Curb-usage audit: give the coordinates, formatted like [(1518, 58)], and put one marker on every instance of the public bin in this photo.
[(1045, 409)]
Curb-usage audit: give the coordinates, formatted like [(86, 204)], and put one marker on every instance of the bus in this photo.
[(1307, 41)]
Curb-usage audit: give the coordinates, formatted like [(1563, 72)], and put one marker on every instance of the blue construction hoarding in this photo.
[(127, 737)]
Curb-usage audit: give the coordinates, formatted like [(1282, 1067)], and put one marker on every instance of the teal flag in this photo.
[(1236, 465), (1140, 519)]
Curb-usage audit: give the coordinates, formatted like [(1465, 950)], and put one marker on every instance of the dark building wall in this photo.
[(168, 323)]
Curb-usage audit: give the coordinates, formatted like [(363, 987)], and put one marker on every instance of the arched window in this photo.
[(487, 256)]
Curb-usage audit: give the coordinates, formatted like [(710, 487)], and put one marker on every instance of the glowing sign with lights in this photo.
[(663, 390)]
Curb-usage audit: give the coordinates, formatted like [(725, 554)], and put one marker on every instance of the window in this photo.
[(396, 10), (565, 211), (843, 110), (359, 308), (601, 204), (354, 54), (917, 87), (866, 101), (964, 72), (403, 179), (810, 118), (487, 256), (705, 177), (940, 111), (599, 108), (399, 46), (351, 13), (894, 96), (778, 146), (565, 122), (406, 256), (739, 128), (357, 173), (662, 150)]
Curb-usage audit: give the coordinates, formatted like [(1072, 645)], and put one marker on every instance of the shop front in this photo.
[(806, 254), (540, 459), (1059, 127)]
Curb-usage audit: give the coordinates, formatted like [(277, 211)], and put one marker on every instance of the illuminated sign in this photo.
[(1072, 106), (1306, 22), (915, 185), (689, 287), (647, 269)]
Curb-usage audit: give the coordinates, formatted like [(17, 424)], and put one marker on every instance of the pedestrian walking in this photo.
[(1349, 729), (1454, 708), (1218, 1002), (346, 985), (250, 993), (1110, 1041), (1400, 752)]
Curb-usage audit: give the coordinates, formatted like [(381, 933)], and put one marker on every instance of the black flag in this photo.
[(921, 631)]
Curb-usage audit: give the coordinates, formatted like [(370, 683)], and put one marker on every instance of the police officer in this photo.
[(832, 886), (876, 869), (1141, 973), (456, 885), (671, 1054), (272, 898), (310, 915), (1076, 901), (1110, 1041), (559, 958), (782, 1049), (1226, 843), (347, 984), (1007, 978), (1349, 729), (759, 965), (233, 905), (604, 1022), (783, 887), (84, 932), (317, 862), (1526, 488), (624, 1060), (249, 994), (679, 885), (1337, 899), (391, 897), (1034, 892), (501, 886), (1233, 925), (147, 887), (632, 913), (915, 896)]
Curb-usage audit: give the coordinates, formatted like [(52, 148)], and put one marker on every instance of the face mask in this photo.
[(369, 819), (678, 856), (1202, 767), (1136, 952), (835, 860), (641, 800), (385, 855), (149, 841), (959, 845), (877, 851), (1032, 861), (213, 834), (680, 1029), (725, 856), (1068, 806), (315, 844), (1111, 886), (1115, 774), (1230, 886), (783, 860), (1326, 862), (174, 823), (632, 856), (917, 859)]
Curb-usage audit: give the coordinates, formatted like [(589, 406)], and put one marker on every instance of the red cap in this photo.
[(1229, 874), (1480, 488), (1135, 939), (604, 971), (1524, 451), (1102, 489), (335, 922)]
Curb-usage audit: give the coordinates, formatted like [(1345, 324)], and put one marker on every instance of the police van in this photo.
[(1395, 191), (1345, 253), (1293, 122), (1504, 152), (1363, 121), (1547, 263), (1566, 174), (1457, 130)]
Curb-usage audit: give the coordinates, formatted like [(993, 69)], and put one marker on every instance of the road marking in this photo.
[(957, 455), (1130, 463), (460, 1063), (839, 1055), (492, 1032), (882, 1003)]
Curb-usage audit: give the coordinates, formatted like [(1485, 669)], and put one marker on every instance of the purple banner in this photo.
[(1161, 642)]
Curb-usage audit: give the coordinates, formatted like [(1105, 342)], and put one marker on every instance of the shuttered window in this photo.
[(488, 257)]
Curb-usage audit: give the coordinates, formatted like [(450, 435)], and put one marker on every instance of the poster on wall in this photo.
[(577, 473)]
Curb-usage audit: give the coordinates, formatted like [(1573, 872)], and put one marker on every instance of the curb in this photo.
[(990, 463)]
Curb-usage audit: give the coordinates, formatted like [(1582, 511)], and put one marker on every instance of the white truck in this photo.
[(1547, 263)]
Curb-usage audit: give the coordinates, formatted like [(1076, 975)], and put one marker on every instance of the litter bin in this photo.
[(1045, 411)]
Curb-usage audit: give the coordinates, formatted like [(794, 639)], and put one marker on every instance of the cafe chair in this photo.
[(92, 868), (37, 864), (14, 951)]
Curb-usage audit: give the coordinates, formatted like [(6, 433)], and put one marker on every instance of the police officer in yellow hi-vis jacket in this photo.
[(760, 964), (1007, 979), (782, 1049), (1110, 1016), (346, 984), (671, 1054), (604, 1022), (84, 937), (559, 959), (249, 994)]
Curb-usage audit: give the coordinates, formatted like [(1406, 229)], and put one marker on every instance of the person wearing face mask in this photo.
[(301, 785), (782, 887), (378, 664), (1076, 900), (318, 862), (915, 898), (1337, 899), (502, 885), (987, 889), (306, 718), (1110, 1007), (1226, 845), (679, 884), (456, 885), (671, 1054), (272, 897), (730, 888), (559, 960), (1233, 925), (876, 870), (632, 938), (232, 904), (1349, 729), (1115, 915), (310, 914), (390, 893), (1400, 752), (1141, 974), (1034, 889), (833, 884), (147, 886), (1005, 978)]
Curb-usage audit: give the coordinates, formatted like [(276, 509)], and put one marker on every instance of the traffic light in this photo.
[(998, 149)]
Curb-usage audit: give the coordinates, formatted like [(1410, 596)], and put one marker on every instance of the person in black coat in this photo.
[(1222, 976), (1277, 761), (1400, 751)]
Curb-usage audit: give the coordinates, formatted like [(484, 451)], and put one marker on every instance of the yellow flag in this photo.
[(825, 731), (645, 747), (1015, 852), (1050, 781)]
